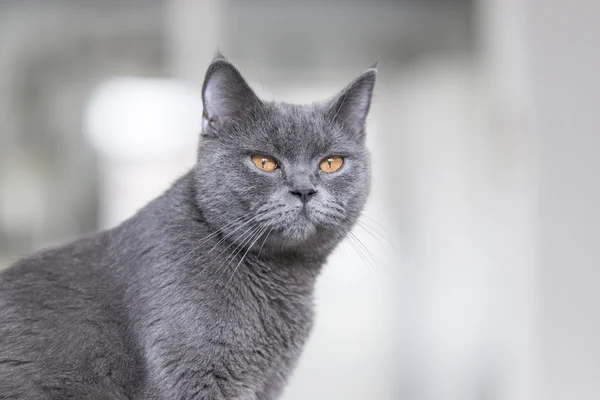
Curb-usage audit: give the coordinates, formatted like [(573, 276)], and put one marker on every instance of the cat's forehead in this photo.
[(294, 131)]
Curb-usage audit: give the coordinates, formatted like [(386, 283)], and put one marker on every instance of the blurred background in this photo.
[(474, 272)]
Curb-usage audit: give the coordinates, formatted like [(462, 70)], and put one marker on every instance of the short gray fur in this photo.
[(205, 293)]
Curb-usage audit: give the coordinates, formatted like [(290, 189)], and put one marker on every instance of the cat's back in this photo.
[(56, 284), (62, 322)]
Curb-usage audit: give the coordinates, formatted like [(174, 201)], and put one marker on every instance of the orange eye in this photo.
[(264, 162), (331, 163)]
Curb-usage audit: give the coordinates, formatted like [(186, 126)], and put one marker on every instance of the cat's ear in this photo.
[(351, 106), (225, 95)]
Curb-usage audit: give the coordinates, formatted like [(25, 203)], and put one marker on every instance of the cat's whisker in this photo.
[(365, 215), (358, 252), (198, 245), (224, 238), (237, 241), (369, 230), (256, 233), (363, 252), (264, 241), (244, 239), (244, 256), (363, 246), (364, 225), (344, 250), (364, 258), (370, 254)]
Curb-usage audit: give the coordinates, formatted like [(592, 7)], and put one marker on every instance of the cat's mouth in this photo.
[(299, 226), (299, 223)]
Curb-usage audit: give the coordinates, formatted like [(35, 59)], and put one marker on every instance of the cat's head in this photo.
[(287, 175)]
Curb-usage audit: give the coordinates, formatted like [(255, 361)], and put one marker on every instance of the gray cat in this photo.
[(206, 293)]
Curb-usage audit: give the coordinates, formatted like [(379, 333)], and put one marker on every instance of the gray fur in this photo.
[(206, 293)]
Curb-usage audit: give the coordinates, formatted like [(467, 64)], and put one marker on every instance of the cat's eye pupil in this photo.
[(329, 160), (263, 160)]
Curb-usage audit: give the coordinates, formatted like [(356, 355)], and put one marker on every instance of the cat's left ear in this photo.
[(225, 95), (351, 106)]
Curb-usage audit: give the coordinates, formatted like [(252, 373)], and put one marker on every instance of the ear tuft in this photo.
[(225, 95), (375, 65), (351, 106), (219, 56)]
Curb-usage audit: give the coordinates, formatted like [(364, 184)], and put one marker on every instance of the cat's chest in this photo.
[(270, 313), (246, 330)]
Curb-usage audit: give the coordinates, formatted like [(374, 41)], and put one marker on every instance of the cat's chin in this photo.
[(298, 232), (300, 229)]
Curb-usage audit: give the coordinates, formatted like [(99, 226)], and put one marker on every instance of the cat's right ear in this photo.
[(225, 95)]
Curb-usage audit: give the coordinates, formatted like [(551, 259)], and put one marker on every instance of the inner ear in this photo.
[(225, 95)]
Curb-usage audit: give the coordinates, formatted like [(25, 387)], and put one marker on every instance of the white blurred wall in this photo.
[(543, 63), (563, 62)]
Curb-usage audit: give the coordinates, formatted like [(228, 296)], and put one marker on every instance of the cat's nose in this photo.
[(304, 194)]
